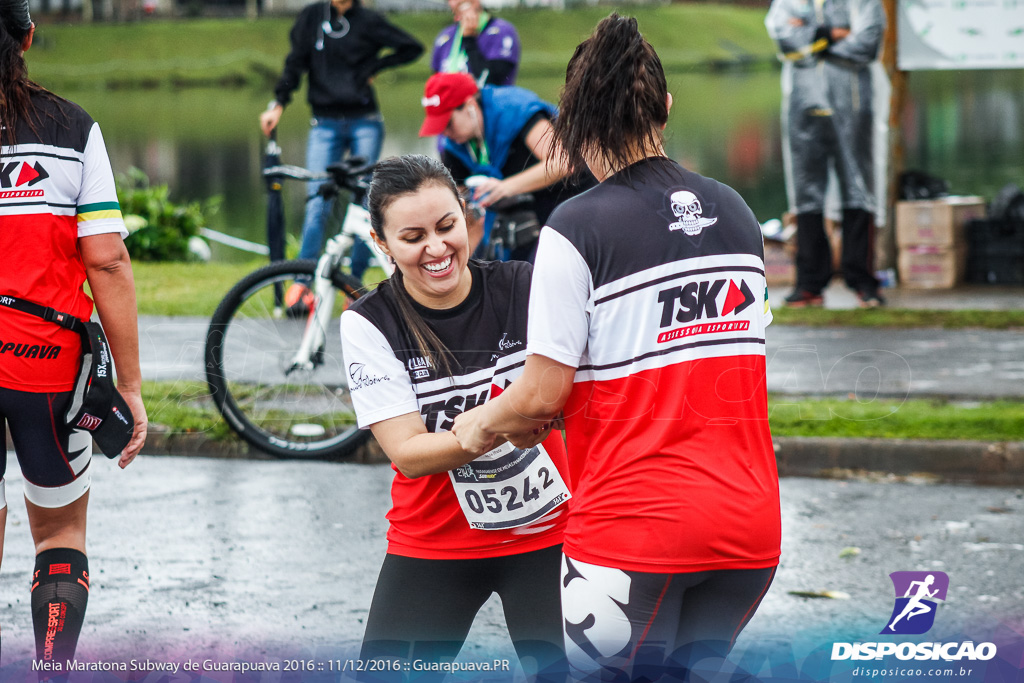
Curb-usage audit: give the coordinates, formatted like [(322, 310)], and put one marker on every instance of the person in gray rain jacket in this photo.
[(827, 47)]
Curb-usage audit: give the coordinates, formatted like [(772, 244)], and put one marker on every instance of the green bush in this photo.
[(159, 229)]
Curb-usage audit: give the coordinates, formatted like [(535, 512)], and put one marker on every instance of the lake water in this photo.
[(967, 127)]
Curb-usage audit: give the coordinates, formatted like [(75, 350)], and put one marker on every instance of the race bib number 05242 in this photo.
[(508, 487)]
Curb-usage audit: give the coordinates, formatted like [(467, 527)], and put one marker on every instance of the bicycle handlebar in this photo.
[(349, 173), (294, 172)]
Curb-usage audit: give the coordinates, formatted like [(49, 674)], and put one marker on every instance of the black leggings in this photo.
[(423, 609), (624, 625)]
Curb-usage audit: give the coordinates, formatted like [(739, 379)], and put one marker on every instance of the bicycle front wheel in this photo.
[(287, 409)]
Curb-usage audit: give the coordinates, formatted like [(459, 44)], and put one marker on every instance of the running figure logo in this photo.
[(917, 595)]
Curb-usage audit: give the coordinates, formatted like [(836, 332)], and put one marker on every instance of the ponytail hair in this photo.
[(613, 106), (15, 88), (15, 24), (393, 178)]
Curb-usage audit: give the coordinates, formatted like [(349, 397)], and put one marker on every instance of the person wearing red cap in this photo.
[(503, 133)]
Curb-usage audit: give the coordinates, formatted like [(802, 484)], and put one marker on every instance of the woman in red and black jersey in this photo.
[(60, 225), (647, 322), (444, 334)]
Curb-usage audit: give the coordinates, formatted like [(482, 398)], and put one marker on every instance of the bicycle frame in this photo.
[(498, 222), (355, 227)]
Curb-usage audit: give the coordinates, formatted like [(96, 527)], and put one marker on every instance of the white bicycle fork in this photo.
[(356, 225)]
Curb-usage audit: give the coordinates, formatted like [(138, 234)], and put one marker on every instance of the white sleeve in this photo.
[(559, 321), (97, 207), (377, 379)]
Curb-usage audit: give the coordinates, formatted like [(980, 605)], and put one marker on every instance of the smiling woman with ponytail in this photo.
[(442, 334), (60, 226)]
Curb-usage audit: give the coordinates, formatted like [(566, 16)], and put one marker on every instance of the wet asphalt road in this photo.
[(972, 364), (250, 560)]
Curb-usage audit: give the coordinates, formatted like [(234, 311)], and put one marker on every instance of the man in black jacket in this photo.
[(340, 45)]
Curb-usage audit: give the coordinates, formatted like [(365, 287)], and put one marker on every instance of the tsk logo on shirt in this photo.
[(27, 176), (439, 416), (700, 300)]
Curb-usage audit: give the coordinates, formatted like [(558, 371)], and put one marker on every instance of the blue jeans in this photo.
[(328, 141)]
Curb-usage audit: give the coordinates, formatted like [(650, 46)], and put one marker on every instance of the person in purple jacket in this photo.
[(478, 44)]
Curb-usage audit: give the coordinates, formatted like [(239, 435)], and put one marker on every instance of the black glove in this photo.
[(823, 33)]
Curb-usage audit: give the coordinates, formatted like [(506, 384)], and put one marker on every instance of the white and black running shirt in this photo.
[(654, 289), (389, 377)]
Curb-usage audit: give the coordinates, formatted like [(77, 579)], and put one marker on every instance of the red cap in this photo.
[(443, 94)]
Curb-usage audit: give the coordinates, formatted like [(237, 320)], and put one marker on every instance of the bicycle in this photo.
[(278, 377), (514, 223)]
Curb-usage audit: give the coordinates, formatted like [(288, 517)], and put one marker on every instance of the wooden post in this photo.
[(897, 103)]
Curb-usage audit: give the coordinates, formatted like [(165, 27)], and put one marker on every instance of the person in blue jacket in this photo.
[(503, 133)]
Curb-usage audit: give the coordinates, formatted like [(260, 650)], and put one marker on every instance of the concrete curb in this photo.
[(977, 462), (991, 463), (163, 441)]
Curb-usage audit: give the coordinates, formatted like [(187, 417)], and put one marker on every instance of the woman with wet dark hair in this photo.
[(443, 334), (60, 225), (647, 320)]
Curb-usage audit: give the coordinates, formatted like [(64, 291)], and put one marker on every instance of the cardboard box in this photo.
[(935, 222), (930, 267)]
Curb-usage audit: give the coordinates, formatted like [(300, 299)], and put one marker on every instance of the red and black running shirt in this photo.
[(653, 286), (388, 377), (56, 186)]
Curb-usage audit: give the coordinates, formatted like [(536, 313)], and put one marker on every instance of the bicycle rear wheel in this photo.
[(285, 411)]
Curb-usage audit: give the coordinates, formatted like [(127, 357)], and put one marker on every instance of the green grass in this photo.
[(236, 52), (185, 407), (192, 289), (884, 419), (900, 318), (195, 289)]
